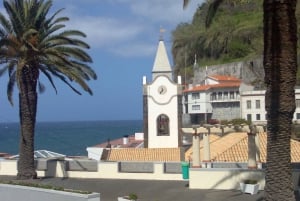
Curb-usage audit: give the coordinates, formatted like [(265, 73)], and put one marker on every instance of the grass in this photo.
[(44, 186)]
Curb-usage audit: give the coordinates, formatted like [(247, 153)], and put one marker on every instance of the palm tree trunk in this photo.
[(27, 111), (280, 65)]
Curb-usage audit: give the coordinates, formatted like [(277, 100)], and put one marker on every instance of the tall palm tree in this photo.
[(32, 43), (280, 65)]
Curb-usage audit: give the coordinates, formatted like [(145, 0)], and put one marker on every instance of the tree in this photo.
[(280, 65), (32, 43)]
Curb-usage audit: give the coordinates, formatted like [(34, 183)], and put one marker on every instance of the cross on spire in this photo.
[(161, 33)]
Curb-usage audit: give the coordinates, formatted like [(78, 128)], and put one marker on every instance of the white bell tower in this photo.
[(162, 104)]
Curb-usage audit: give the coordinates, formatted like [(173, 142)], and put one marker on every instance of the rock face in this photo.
[(251, 72)]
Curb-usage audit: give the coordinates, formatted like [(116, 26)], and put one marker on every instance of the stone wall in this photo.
[(226, 111), (251, 72)]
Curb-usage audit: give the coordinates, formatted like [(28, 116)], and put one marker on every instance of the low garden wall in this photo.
[(229, 178), (86, 168), (223, 176)]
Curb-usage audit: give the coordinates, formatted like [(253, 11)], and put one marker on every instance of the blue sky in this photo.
[(123, 35)]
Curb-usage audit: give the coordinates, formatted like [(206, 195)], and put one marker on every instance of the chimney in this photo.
[(125, 139)]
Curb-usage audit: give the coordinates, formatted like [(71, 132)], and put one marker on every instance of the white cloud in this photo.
[(167, 11), (129, 25), (134, 49), (103, 32)]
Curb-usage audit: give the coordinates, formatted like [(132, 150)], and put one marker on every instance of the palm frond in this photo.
[(10, 87), (5, 24), (42, 87), (57, 52), (45, 72), (185, 3)]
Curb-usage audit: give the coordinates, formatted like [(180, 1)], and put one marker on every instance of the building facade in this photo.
[(226, 98), (253, 106), (218, 99)]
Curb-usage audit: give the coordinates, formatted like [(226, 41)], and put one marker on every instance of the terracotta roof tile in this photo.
[(143, 154), (218, 144), (233, 147), (213, 86)]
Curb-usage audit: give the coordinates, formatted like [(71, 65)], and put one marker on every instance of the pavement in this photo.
[(111, 189)]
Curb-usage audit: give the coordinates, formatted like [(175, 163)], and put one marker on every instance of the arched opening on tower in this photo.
[(163, 125)]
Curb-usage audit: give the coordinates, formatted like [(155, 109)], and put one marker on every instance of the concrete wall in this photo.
[(227, 179), (105, 170), (218, 177)]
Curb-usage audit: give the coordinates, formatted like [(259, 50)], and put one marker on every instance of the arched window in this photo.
[(162, 124)]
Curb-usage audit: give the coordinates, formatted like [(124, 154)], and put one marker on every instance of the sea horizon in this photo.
[(68, 137)]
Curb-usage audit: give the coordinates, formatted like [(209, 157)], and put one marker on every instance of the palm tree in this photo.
[(32, 43), (280, 65)]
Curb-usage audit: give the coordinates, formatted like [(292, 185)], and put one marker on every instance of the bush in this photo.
[(235, 122)]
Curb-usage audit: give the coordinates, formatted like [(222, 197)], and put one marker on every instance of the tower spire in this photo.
[(161, 64)]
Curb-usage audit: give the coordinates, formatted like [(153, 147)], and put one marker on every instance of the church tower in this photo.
[(162, 104)]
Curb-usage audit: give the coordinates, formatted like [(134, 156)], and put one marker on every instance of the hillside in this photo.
[(234, 35)]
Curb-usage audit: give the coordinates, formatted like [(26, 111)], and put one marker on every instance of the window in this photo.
[(257, 116), (162, 125), (231, 95), (220, 96), (248, 104), (297, 102), (249, 117), (226, 95), (257, 104), (195, 107), (213, 96), (298, 116), (195, 96)]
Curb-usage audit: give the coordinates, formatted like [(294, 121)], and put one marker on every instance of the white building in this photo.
[(162, 99), (225, 98), (253, 105), (218, 99)]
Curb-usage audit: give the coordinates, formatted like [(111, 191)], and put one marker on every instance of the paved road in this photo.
[(147, 190)]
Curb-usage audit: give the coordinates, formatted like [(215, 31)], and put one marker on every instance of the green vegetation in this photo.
[(44, 186), (235, 122), (34, 41), (234, 34), (133, 196)]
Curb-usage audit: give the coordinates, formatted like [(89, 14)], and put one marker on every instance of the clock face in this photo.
[(162, 89)]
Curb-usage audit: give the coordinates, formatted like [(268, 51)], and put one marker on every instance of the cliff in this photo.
[(251, 72)]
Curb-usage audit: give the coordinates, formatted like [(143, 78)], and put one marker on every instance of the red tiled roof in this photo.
[(233, 147), (144, 154), (213, 86)]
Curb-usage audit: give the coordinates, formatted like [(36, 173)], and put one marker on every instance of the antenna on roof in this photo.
[(205, 75), (195, 62)]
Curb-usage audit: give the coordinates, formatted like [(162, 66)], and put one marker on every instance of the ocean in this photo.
[(69, 138)]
